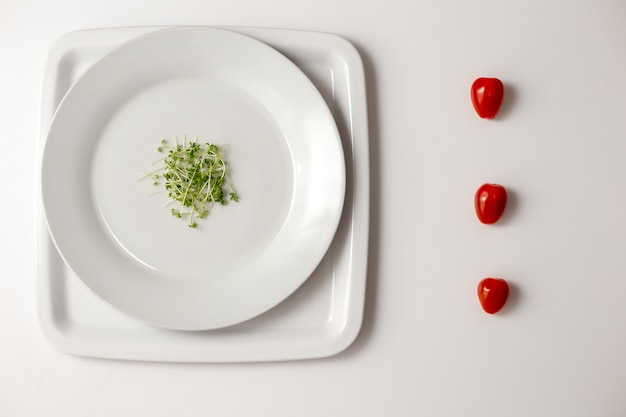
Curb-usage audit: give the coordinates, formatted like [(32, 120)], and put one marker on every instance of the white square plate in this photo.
[(321, 318)]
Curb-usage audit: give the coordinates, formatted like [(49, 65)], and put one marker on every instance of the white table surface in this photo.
[(426, 348)]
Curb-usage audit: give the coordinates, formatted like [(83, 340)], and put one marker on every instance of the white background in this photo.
[(426, 348)]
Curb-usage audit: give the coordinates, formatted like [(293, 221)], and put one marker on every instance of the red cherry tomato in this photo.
[(490, 202), (487, 94), (493, 293)]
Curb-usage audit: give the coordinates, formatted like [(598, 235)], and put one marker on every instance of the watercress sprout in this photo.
[(194, 176)]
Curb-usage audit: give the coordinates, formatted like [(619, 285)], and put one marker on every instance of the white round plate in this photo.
[(286, 162)]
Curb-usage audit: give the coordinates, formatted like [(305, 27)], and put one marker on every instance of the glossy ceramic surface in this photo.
[(286, 159)]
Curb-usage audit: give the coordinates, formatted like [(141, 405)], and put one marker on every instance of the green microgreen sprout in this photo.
[(194, 176)]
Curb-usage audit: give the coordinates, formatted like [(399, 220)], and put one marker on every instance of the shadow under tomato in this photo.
[(508, 101), (512, 207), (513, 301)]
